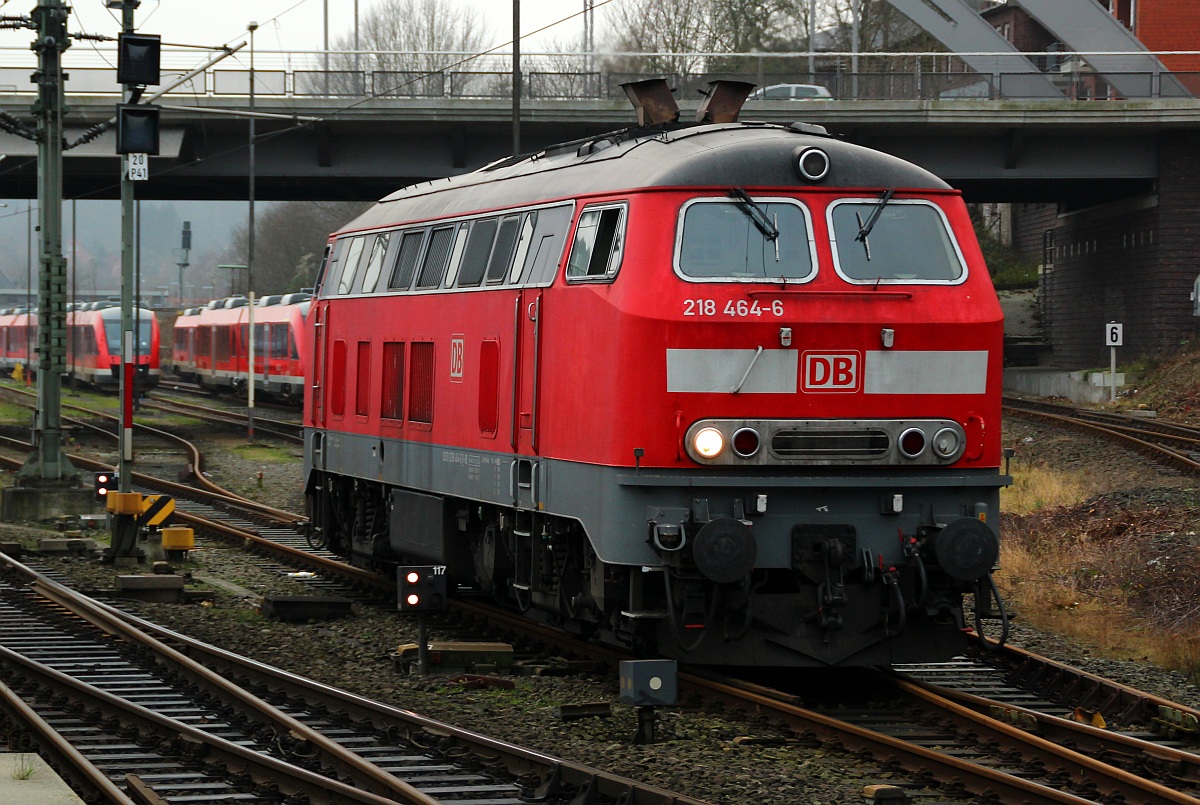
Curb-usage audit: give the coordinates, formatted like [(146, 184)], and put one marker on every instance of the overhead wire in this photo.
[(374, 95), (157, 7), (377, 94), (466, 59)]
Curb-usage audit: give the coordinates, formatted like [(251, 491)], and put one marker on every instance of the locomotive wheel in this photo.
[(485, 553), (316, 539), (571, 581)]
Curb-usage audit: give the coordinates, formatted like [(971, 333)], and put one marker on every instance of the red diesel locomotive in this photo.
[(728, 393), (210, 344)]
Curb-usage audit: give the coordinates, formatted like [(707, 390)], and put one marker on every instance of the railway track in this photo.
[(178, 389), (979, 746), (214, 512), (136, 713), (998, 726), (277, 539), (1171, 444), (992, 725), (289, 431)]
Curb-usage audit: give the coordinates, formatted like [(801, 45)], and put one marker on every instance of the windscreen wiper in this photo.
[(864, 229), (755, 213)]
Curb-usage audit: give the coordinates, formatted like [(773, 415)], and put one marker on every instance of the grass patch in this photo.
[(13, 414), (1119, 572), (1036, 488), (1066, 591), (24, 769), (264, 453), (91, 399)]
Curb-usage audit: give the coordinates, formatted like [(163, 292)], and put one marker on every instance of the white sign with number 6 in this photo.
[(1112, 334)]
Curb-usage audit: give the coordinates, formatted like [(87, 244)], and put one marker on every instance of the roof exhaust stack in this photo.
[(653, 101), (723, 101)]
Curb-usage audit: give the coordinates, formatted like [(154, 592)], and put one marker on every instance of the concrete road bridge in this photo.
[(1053, 129), (1008, 150)]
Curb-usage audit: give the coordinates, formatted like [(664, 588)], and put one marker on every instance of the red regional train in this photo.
[(93, 344), (18, 337), (727, 393), (210, 344)]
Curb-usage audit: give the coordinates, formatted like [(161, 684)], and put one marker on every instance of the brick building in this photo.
[(1015, 25), (1135, 260), (1163, 25)]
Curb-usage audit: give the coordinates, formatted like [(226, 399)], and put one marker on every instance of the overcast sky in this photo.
[(298, 24)]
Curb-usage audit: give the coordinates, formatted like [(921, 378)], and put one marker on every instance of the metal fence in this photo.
[(560, 76)]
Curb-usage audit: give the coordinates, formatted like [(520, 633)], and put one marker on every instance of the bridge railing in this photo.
[(560, 76)]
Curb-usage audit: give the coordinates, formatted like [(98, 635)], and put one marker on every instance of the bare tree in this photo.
[(745, 26), (289, 239), (865, 25), (760, 26), (410, 44), (658, 27), (742, 27), (562, 72)]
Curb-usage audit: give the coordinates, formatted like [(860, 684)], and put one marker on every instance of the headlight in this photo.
[(708, 442), (946, 443), (812, 164), (912, 442), (746, 442)]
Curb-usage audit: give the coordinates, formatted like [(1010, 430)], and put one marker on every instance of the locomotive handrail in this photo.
[(537, 356), (749, 369), (535, 482), (516, 377)]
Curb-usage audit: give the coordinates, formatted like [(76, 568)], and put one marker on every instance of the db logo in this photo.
[(456, 358), (831, 371)]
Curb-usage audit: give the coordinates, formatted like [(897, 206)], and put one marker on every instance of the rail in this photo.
[(901, 76)]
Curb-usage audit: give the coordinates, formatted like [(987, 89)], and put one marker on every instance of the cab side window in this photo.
[(327, 262), (350, 265), (599, 243), (375, 263), (502, 251)]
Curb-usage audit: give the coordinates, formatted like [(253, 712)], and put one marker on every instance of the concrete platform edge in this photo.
[(1045, 382), (42, 786)]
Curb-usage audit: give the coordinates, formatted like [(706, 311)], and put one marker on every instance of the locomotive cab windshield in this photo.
[(906, 241), (726, 239)]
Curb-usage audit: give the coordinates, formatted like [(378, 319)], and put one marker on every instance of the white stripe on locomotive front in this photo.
[(704, 371), (925, 372), (717, 370)]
